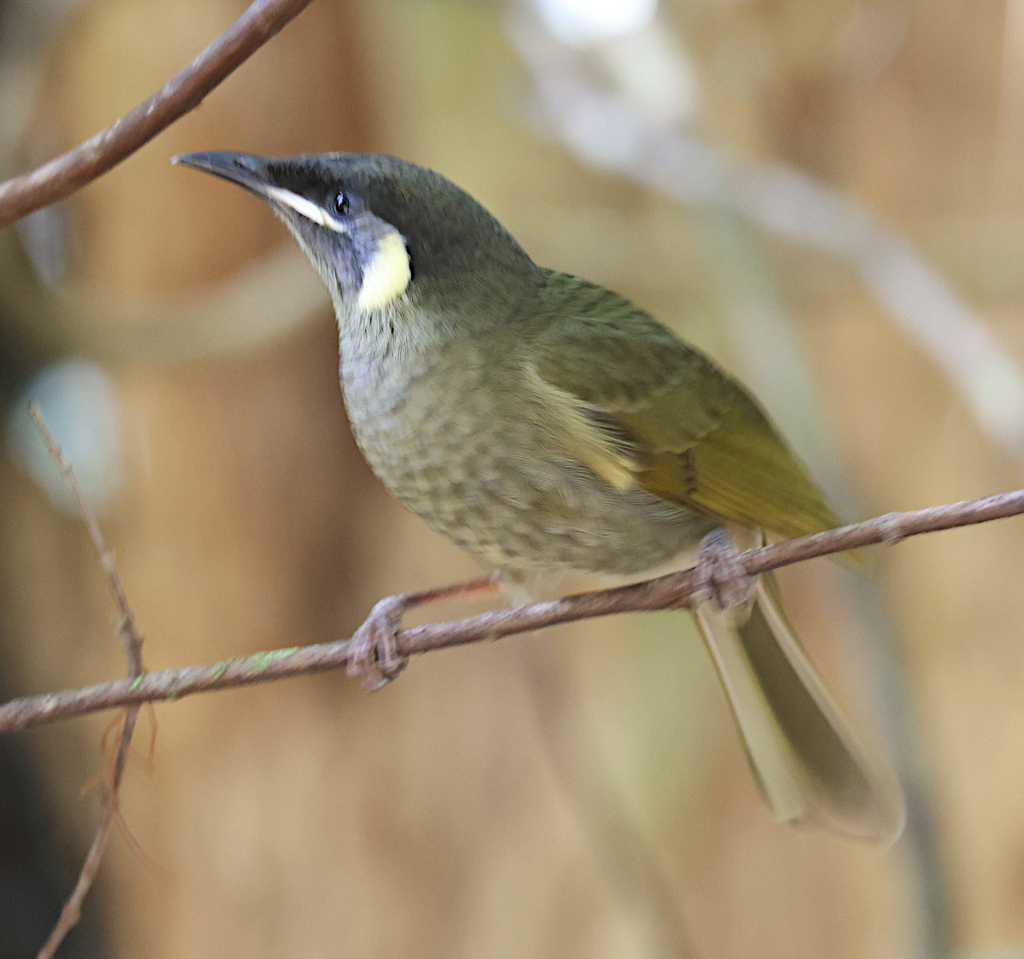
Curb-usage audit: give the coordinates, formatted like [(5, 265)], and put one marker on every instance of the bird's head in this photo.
[(382, 230)]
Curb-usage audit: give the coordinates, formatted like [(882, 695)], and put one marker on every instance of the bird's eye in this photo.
[(341, 203)]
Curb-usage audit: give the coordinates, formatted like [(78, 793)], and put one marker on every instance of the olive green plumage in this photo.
[(722, 457), (547, 424)]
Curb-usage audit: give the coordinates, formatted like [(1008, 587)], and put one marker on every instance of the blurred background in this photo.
[(826, 195)]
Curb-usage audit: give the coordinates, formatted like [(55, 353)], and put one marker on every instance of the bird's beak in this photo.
[(252, 173)]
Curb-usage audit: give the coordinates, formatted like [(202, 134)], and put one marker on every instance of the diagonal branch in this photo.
[(132, 638), (62, 176), (130, 632), (664, 592)]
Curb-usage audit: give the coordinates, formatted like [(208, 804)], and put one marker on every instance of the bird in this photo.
[(546, 425)]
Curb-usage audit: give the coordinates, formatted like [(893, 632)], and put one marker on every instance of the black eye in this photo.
[(341, 203)]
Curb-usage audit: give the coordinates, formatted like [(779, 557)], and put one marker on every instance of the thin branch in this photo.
[(131, 635), (62, 176), (132, 638), (664, 592), (72, 910)]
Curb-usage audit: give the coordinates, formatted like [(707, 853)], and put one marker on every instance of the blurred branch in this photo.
[(60, 177), (132, 638), (672, 591), (258, 304), (608, 130)]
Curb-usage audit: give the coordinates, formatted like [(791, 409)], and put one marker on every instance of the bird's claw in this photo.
[(719, 574), (373, 655)]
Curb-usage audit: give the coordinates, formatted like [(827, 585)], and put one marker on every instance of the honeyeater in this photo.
[(547, 424)]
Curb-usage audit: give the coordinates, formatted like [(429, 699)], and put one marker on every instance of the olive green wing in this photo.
[(645, 410), (748, 473)]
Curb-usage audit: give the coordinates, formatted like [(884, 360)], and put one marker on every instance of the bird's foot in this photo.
[(719, 574), (374, 657)]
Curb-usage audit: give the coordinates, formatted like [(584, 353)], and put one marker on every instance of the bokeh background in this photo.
[(826, 195)]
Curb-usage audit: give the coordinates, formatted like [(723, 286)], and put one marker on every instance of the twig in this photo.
[(72, 910), (131, 635), (132, 638), (62, 176), (663, 592)]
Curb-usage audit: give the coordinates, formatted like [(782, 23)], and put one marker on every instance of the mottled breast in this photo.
[(459, 439)]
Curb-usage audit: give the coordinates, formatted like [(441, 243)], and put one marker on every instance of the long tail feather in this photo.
[(805, 756)]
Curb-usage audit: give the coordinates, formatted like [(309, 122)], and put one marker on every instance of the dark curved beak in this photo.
[(242, 168), (253, 174)]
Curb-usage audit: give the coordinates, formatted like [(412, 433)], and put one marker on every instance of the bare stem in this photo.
[(62, 176), (664, 592), (132, 638), (130, 633)]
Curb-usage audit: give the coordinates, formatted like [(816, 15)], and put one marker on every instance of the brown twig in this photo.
[(72, 910), (132, 638), (664, 592), (62, 176), (130, 633)]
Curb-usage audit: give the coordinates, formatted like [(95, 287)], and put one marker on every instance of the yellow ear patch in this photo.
[(387, 274)]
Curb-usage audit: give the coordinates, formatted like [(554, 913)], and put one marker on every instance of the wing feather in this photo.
[(643, 409)]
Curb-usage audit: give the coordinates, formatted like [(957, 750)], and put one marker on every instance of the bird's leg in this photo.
[(718, 573), (373, 655)]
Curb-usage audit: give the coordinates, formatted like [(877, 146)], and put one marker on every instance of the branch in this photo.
[(72, 910), (131, 635), (61, 177), (671, 159), (673, 590), (132, 638)]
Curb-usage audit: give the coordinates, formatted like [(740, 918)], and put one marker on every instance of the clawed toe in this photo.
[(719, 574), (374, 657)]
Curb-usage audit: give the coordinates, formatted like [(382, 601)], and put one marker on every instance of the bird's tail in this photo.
[(805, 756)]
